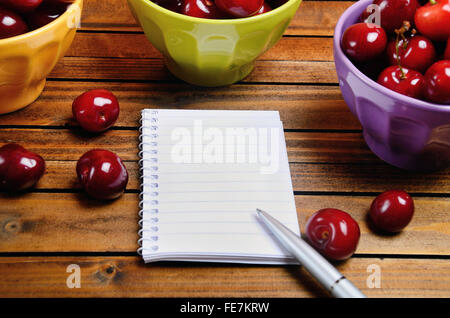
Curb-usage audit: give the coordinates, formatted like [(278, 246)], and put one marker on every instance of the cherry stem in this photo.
[(433, 2), (406, 26)]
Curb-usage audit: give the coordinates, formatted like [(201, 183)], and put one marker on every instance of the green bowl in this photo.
[(209, 52)]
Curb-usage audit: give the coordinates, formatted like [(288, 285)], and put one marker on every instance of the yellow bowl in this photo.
[(27, 59), (209, 52)]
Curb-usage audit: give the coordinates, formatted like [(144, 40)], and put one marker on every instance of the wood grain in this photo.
[(70, 144), (45, 222), (366, 178), (108, 15), (300, 107), (124, 45), (317, 17), (71, 222), (129, 277), (340, 178), (312, 18), (126, 69)]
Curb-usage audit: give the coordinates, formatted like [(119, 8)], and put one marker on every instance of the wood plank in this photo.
[(366, 178), (317, 17), (129, 277), (115, 16), (300, 107), (312, 18), (346, 178), (298, 72), (126, 69), (123, 45), (71, 222), (43, 222), (111, 69), (70, 144)]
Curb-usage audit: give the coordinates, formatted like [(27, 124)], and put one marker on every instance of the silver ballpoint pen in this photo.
[(313, 262)]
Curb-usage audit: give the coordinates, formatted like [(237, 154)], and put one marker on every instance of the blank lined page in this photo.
[(204, 173)]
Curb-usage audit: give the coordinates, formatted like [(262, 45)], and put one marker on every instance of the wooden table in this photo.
[(54, 225)]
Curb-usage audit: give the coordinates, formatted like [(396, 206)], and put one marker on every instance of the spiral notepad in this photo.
[(203, 174)]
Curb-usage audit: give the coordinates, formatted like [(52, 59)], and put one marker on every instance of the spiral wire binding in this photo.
[(150, 167)]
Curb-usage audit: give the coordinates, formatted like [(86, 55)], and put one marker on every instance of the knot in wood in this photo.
[(106, 273), (11, 226), (110, 269)]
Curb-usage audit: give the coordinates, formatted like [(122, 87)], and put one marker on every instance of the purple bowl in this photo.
[(403, 131)]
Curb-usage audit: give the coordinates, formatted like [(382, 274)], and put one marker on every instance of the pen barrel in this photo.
[(345, 289), (322, 270)]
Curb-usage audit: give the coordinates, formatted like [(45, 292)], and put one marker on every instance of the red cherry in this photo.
[(392, 210), (201, 9), (363, 41), (432, 20), (334, 233), (102, 174), (172, 5), (437, 82), (20, 169), (21, 5), (416, 53), (45, 14), (402, 80), (11, 24), (96, 110), (265, 8), (393, 13), (447, 50), (240, 8)]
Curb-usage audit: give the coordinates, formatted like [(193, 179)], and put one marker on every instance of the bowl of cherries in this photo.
[(34, 35), (392, 59), (213, 42)]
